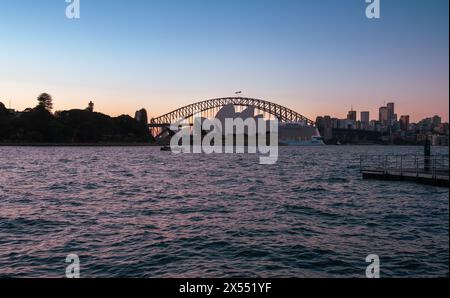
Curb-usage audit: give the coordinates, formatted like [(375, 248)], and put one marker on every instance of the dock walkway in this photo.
[(433, 170)]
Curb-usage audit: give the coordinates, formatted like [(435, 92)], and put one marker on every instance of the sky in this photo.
[(317, 57)]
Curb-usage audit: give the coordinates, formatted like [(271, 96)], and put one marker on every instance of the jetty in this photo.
[(432, 170)]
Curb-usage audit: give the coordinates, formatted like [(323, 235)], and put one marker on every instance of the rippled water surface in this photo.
[(140, 212)]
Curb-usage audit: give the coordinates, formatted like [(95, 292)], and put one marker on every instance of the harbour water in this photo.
[(140, 212)]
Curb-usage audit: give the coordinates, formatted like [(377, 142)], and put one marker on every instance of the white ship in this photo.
[(299, 134), (290, 134)]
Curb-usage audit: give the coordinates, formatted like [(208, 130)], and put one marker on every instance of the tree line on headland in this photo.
[(40, 125)]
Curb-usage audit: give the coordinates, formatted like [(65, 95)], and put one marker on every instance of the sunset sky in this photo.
[(316, 57)]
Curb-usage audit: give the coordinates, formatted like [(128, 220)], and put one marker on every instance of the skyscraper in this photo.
[(351, 115), (365, 119), (404, 122), (384, 116), (391, 113)]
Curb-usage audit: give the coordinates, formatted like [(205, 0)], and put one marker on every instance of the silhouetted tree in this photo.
[(141, 116), (73, 126), (5, 123), (45, 101), (3, 109)]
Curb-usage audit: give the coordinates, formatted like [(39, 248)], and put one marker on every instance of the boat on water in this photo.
[(299, 134), (314, 141)]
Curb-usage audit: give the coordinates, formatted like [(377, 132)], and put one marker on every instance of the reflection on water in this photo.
[(140, 212)]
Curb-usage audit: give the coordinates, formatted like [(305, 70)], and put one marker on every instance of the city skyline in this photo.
[(352, 114), (315, 59)]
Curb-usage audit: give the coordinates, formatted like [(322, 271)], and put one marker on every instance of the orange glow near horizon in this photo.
[(119, 101)]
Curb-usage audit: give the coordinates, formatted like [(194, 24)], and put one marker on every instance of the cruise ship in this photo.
[(290, 134), (299, 134)]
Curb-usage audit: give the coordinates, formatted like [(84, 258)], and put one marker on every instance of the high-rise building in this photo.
[(391, 113), (365, 119), (404, 122), (384, 116), (351, 115), (365, 116), (325, 126)]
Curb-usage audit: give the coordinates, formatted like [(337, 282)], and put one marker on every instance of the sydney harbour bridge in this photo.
[(209, 108)]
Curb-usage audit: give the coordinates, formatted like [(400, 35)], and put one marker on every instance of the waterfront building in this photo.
[(346, 124), (439, 140), (365, 120), (328, 128), (375, 125), (404, 122), (335, 122), (384, 116), (351, 115), (391, 116)]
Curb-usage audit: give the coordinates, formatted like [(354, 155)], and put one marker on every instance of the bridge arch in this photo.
[(282, 113)]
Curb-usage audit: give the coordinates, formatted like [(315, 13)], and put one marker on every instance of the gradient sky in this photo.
[(315, 56)]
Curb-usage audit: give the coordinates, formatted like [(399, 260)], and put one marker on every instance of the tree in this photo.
[(141, 116), (3, 109), (5, 123), (45, 101)]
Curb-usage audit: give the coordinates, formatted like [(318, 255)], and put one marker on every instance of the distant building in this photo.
[(141, 116), (90, 107), (365, 120), (391, 116), (384, 116), (404, 122), (351, 115), (335, 122), (328, 128), (319, 121), (439, 140), (346, 124)]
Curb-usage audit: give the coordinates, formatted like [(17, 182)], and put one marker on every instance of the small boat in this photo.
[(166, 148)]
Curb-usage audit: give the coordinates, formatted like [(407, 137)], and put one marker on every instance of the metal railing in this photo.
[(436, 165)]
